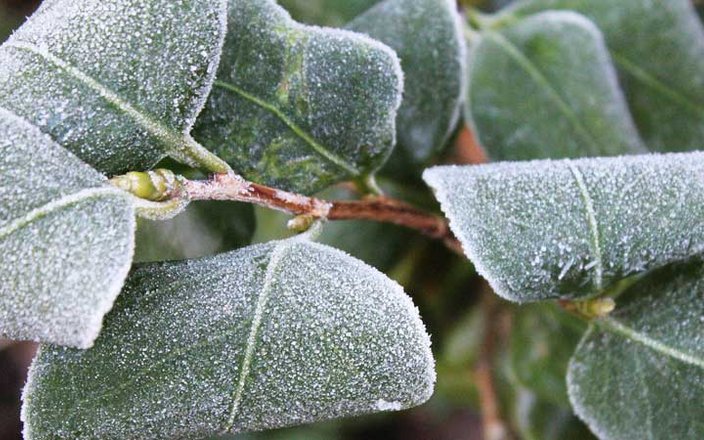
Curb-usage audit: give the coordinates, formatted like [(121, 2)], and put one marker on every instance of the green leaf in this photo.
[(300, 107), (66, 240), (326, 12), (658, 47), (573, 228), (118, 83), (273, 335), (542, 342), (545, 87), (428, 37), (640, 372), (203, 229)]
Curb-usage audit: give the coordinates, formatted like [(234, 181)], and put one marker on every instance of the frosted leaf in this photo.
[(326, 12), (571, 229), (204, 228), (66, 240), (640, 372), (428, 37), (272, 335), (545, 87), (658, 48), (118, 83), (300, 107)]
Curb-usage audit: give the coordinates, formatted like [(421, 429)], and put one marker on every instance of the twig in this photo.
[(161, 185), (493, 426)]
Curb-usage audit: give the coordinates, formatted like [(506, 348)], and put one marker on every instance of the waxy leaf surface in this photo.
[(545, 87), (66, 240), (639, 373), (272, 335), (427, 36), (300, 107), (658, 48), (573, 228), (117, 82)]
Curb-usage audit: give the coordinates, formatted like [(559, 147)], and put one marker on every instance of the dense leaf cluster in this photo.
[(241, 337)]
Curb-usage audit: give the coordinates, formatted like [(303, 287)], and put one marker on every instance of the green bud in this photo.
[(156, 185)]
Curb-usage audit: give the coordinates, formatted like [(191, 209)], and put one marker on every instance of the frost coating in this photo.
[(549, 229), (118, 83), (428, 37), (268, 336), (651, 350), (658, 48), (300, 107), (564, 99), (66, 240)]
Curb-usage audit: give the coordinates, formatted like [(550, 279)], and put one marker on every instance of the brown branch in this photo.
[(492, 423), (379, 209)]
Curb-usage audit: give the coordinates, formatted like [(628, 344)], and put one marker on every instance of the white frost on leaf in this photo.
[(383, 405), (118, 83), (300, 107), (428, 37), (650, 349), (66, 240), (268, 336), (549, 229)]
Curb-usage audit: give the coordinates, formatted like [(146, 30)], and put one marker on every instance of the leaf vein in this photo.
[(593, 225), (655, 84), (55, 205), (614, 326), (276, 257), (182, 145), (528, 66), (306, 137)]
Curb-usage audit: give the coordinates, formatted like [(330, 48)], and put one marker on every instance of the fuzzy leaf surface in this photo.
[(572, 228), (272, 335), (545, 87), (300, 107), (118, 83), (427, 35), (658, 48), (66, 240), (651, 350)]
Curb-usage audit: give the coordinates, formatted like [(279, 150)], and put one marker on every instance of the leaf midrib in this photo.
[(179, 144), (591, 223), (55, 205), (614, 326), (532, 70), (300, 132), (262, 299), (649, 80), (277, 255)]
